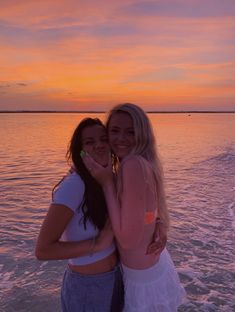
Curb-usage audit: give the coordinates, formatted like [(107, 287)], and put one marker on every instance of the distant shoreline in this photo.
[(100, 112)]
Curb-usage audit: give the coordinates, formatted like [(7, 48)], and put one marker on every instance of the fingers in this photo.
[(158, 251), (87, 162), (154, 251), (90, 163), (156, 246)]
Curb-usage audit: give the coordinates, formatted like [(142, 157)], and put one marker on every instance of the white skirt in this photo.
[(156, 289)]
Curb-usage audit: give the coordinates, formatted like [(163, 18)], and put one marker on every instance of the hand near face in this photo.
[(102, 174)]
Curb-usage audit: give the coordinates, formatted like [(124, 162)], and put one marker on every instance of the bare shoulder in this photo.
[(138, 166), (133, 164), (131, 160)]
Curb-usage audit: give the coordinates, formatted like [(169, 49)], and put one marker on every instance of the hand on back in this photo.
[(159, 240), (105, 237)]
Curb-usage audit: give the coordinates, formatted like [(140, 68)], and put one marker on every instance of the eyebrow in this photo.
[(119, 127), (92, 138), (88, 138)]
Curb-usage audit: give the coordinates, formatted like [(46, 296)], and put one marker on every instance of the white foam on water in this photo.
[(189, 272), (30, 283), (39, 273), (43, 264), (5, 280), (231, 209)]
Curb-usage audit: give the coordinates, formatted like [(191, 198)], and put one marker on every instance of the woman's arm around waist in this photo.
[(49, 246)]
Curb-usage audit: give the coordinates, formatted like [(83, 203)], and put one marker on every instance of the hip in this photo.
[(151, 273)]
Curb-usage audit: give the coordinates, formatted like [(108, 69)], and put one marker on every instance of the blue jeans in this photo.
[(92, 293)]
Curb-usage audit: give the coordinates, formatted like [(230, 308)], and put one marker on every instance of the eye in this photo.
[(113, 130), (88, 143), (104, 139), (131, 132)]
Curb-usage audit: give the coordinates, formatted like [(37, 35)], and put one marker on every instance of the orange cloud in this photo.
[(88, 55)]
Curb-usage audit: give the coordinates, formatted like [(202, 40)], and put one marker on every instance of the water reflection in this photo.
[(198, 152)]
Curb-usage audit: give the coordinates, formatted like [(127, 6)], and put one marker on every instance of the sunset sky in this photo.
[(92, 54)]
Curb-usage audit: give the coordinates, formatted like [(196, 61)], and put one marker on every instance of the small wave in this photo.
[(231, 209), (219, 165), (6, 280), (227, 157), (14, 179)]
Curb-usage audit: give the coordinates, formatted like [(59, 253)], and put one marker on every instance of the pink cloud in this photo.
[(82, 52)]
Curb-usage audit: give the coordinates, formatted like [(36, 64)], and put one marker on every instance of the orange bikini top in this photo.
[(150, 217)]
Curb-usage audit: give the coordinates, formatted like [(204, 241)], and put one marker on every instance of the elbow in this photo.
[(40, 253)]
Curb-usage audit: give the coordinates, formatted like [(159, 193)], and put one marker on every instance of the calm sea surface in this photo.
[(198, 153)]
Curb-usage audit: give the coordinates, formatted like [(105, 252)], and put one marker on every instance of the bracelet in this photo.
[(92, 247), (159, 221)]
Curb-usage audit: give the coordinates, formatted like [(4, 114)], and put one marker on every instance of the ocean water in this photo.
[(198, 154)]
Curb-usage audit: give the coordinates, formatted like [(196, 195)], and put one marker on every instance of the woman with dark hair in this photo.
[(77, 228)]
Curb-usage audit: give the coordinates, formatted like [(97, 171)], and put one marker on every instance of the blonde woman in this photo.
[(134, 200)]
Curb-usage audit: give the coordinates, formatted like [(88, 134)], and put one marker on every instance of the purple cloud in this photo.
[(181, 8)]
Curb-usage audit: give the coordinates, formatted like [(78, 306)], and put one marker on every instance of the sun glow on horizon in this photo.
[(76, 56)]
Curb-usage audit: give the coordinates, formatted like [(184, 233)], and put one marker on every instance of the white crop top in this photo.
[(70, 193)]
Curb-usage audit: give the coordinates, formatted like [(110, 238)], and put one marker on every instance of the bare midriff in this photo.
[(105, 265)]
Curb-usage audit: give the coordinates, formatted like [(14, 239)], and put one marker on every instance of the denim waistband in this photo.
[(69, 271)]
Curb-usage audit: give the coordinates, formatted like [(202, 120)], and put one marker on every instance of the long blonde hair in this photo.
[(145, 147)]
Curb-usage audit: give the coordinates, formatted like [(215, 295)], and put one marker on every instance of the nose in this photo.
[(99, 144), (121, 136)]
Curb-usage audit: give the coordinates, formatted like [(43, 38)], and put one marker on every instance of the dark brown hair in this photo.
[(93, 204)]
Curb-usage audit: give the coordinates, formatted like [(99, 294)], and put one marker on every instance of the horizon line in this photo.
[(101, 111)]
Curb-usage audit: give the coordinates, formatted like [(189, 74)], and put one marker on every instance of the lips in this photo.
[(101, 153), (121, 150), (101, 158), (122, 146)]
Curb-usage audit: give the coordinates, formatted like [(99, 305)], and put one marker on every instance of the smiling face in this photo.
[(95, 143), (121, 134)]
